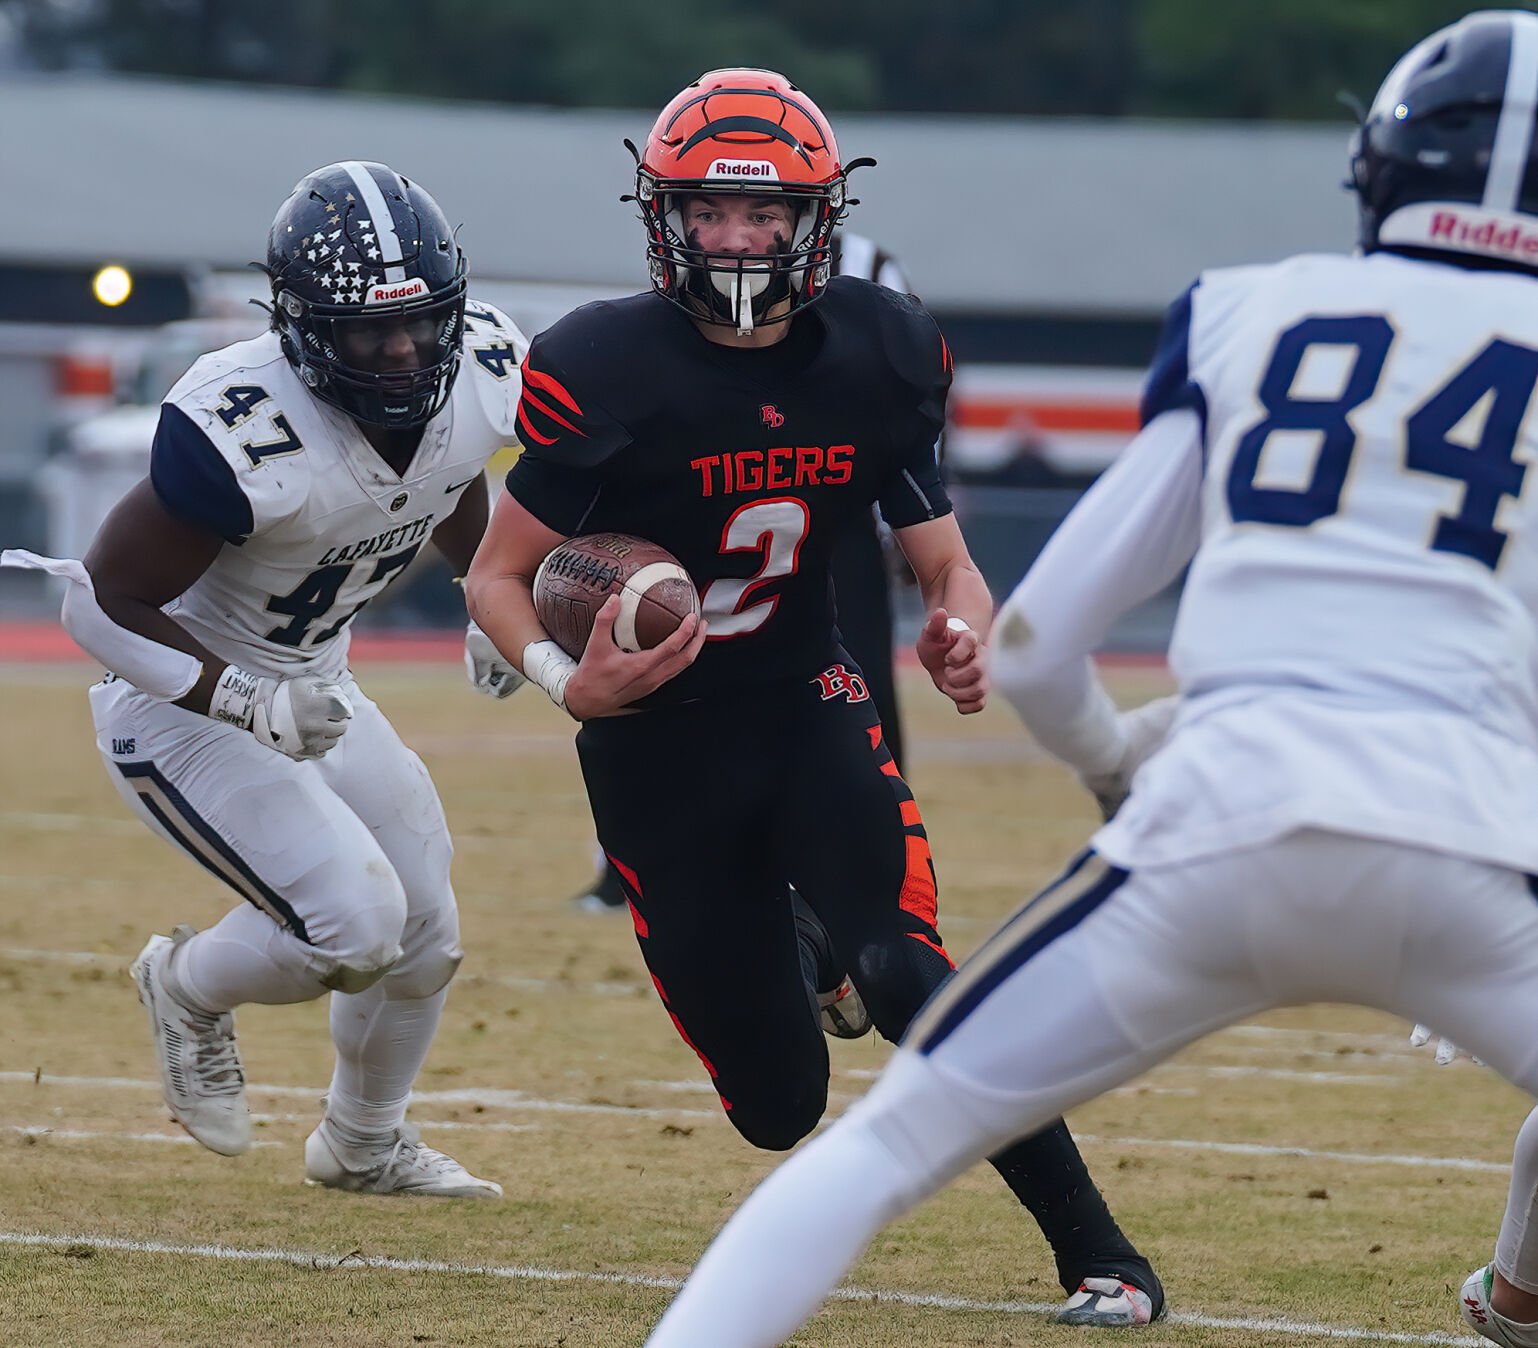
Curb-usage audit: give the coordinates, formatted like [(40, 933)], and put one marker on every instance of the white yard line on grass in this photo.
[(1304, 1153), (98, 1134), (106, 959), (492, 1098), (488, 1097), (532, 1273)]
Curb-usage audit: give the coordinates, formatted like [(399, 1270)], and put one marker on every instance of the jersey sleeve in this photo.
[(195, 482), (226, 455), (1169, 386), (494, 352), (914, 491), (1126, 539), (568, 441)]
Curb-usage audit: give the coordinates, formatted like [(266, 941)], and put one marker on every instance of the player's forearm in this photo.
[(963, 593), (460, 534), (1063, 705), (503, 608), (146, 620)]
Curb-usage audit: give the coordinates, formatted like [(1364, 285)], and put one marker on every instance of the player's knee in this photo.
[(432, 953), (343, 977), (776, 1122), (426, 975), (367, 942), (896, 982)]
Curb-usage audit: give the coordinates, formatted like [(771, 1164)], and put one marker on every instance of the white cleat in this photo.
[(1108, 1303), (843, 1012), (401, 1165), (200, 1072), (1474, 1304)]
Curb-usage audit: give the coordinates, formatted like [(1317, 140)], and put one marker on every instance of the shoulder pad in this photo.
[(254, 413), (910, 337), (494, 351), (571, 375)]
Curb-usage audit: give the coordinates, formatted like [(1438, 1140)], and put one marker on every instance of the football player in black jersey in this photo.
[(862, 582), (741, 414)]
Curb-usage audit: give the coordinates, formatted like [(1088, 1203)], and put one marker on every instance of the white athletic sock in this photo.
[(1516, 1249), (381, 1044), (244, 957)]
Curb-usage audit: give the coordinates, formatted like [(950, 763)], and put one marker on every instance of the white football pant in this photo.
[(1097, 979)]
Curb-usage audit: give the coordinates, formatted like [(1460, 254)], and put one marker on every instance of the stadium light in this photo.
[(112, 285)]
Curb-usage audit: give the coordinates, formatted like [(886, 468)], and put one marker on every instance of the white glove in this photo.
[(1421, 1035), (486, 667), (301, 716), (1145, 728)]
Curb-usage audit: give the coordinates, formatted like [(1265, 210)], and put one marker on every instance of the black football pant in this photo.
[(707, 810), (862, 589)]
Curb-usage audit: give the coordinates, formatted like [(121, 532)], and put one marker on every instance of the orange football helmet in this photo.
[(748, 131)]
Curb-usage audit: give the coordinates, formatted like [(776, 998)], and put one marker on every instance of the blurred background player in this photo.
[(1343, 808), (861, 568), (293, 478), (745, 752)]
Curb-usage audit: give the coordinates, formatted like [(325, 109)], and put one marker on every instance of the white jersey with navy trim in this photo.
[(317, 523), (1344, 445)]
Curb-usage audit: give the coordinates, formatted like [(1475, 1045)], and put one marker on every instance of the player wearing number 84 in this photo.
[(293, 478), (741, 415)]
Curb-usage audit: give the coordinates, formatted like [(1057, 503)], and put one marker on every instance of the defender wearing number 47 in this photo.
[(293, 478), (742, 415), (1343, 807)]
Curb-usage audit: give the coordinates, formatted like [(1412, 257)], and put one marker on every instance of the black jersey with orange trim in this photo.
[(744, 464)]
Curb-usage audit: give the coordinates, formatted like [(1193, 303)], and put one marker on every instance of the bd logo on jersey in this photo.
[(399, 290), (837, 681), (741, 168), (771, 416)]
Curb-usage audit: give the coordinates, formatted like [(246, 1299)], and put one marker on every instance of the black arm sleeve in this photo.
[(915, 493)]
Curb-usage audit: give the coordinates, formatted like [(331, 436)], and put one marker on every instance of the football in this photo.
[(655, 592)]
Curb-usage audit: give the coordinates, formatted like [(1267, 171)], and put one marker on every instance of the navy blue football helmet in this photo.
[(1446, 160), (355, 252)]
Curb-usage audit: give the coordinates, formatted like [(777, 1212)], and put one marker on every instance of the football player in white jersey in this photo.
[(293, 478), (1343, 806)]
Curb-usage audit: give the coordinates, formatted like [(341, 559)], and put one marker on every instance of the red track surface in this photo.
[(46, 643)]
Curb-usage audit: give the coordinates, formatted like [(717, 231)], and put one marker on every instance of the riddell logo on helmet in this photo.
[(1483, 235), (401, 290), (742, 168)]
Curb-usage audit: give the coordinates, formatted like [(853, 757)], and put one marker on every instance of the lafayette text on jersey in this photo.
[(744, 464), (316, 523)]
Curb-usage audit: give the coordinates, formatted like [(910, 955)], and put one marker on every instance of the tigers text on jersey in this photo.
[(316, 523), (745, 464)]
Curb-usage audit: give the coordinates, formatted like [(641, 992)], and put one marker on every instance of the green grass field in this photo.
[(1297, 1182)]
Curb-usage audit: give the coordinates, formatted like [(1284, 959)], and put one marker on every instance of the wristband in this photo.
[(550, 667), (234, 697)]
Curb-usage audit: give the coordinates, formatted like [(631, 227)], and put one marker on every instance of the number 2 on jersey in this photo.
[(1500, 379), (775, 529)]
